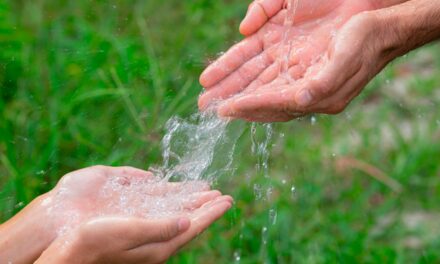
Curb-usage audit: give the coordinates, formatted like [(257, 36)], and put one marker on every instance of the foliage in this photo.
[(93, 82)]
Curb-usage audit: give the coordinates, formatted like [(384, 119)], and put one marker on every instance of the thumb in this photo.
[(135, 231), (162, 230), (259, 12)]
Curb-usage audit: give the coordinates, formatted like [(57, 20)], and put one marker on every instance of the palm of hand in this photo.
[(274, 57), (138, 218), (103, 191)]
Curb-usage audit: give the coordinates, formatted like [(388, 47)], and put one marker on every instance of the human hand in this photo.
[(95, 192), (132, 240), (122, 191), (249, 77)]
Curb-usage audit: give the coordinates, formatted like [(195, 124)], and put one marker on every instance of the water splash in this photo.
[(189, 147), (196, 152)]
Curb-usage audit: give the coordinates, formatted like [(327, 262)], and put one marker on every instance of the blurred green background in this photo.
[(93, 82)]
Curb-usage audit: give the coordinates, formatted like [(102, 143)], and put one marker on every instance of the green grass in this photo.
[(93, 82)]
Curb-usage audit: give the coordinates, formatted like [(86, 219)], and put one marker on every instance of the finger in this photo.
[(237, 81), (198, 199), (150, 231), (339, 101), (202, 219), (327, 82), (267, 76), (258, 14), (344, 61), (231, 61), (134, 232), (190, 186), (205, 216), (130, 172), (163, 187), (274, 100)]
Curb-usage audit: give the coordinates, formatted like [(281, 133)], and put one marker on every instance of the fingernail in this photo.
[(183, 224), (304, 98)]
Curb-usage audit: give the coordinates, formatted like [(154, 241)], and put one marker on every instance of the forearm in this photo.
[(26, 235), (409, 25)]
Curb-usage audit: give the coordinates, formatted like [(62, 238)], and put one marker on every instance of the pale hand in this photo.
[(129, 239), (110, 215)]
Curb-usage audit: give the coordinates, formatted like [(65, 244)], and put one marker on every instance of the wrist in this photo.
[(69, 248), (408, 26), (26, 235)]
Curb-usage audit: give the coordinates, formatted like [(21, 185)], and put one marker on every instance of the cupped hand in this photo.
[(121, 191), (359, 52), (133, 240), (259, 79)]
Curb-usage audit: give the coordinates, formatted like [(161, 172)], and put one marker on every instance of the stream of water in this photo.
[(194, 150)]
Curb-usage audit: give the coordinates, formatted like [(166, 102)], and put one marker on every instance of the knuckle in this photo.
[(245, 73), (167, 232)]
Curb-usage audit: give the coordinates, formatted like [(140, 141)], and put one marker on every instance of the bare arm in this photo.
[(26, 235), (410, 25), (372, 34)]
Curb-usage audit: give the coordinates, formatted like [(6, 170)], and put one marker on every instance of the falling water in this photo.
[(286, 43), (189, 147), (195, 151)]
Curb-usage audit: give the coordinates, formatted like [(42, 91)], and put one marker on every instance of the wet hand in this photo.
[(121, 191), (133, 240), (253, 70), (92, 202)]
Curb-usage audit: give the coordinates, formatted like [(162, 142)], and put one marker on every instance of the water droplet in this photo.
[(313, 120), (293, 191), (264, 234), (269, 192), (41, 172), (237, 256), (273, 216), (258, 191)]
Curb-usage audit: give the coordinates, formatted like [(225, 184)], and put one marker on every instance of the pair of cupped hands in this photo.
[(333, 54), (79, 221), (334, 48)]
